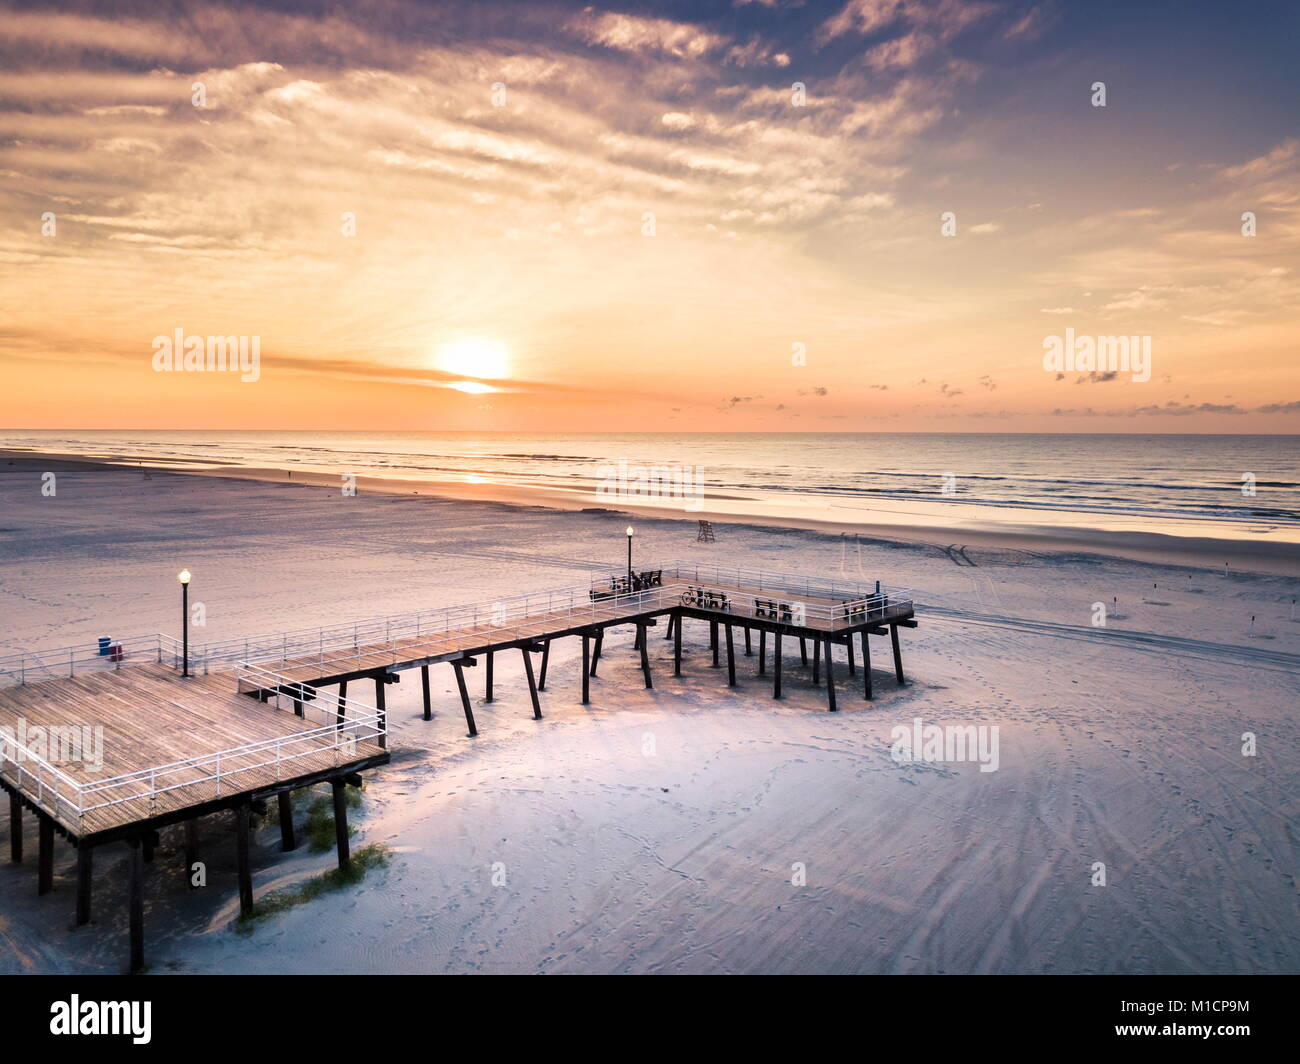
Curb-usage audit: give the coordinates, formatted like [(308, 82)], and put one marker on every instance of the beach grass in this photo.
[(372, 855)]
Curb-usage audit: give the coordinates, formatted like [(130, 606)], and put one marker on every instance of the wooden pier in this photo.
[(257, 719)]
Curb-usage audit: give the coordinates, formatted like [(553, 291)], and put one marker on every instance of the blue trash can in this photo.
[(104, 643)]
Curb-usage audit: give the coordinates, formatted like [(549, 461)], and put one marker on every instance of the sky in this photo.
[(760, 215)]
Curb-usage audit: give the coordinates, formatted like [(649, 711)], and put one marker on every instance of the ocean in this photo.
[(1245, 478)]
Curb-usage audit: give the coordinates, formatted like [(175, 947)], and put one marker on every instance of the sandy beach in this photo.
[(1261, 545), (657, 831)]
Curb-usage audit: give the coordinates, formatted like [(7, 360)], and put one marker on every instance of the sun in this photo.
[(481, 359)]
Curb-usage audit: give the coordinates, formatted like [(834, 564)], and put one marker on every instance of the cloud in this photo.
[(633, 33), (1143, 298), (522, 217), (1171, 408), (938, 20), (1278, 160)]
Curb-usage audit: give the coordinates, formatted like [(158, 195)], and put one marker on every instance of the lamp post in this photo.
[(629, 558), (184, 578)]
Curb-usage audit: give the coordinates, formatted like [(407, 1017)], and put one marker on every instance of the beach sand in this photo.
[(1262, 545), (659, 831)]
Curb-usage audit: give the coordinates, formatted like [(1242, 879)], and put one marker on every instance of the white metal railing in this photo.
[(785, 596), (767, 580), (433, 633), (444, 632), (34, 666), (310, 703), (49, 787), (314, 642), (438, 631), (339, 726)]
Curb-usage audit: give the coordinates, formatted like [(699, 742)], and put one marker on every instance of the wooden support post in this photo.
[(595, 656), (15, 828), (464, 697), (817, 650), (713, 641), (546, 660), (776, 663), (672, 621), (866, 667), (645, 656), (84, 868), (297, 707), (288, 840), (731, 659), (241, 851), (532, 684), (191, 850), (677, 646), (341, 821), (898, 654), (749, 650), (381, 705), (44, 854), (136, 905), (848, 645), (830, 674), (424, 684), (762, 651), (148, 842), (342, 706), (487, 679), (586, 668), (803, 653)]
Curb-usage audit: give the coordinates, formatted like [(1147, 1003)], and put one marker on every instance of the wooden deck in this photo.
[(265, 722), (151, 718), (394, 655)]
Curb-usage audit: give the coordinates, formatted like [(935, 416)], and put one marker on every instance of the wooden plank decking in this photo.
[(409, 652), (173, 749), (151, 718)]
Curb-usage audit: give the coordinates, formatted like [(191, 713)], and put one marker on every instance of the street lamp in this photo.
[(629, 557), (184, 578)]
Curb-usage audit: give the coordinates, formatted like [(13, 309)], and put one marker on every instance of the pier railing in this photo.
[(434, 633), (33, 666), (51, 788), (756, 593), (340, 725), (322, 705), (779, 597), (763, 594), (772, 581)]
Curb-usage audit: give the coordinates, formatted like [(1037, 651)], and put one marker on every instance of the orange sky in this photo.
[(518, 216)]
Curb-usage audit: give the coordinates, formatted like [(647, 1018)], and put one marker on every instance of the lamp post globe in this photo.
[(184, 577)]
